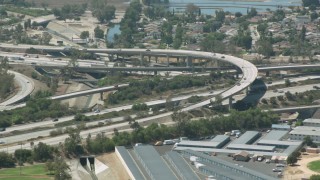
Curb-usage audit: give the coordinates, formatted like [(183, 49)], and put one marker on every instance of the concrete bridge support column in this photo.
[(168, 63), (141, 59), (101, 96), (247, 90), (267, 73), (156, 59), (149, 58), (178, 59), (230, 102), (155, 73), (189, 62)]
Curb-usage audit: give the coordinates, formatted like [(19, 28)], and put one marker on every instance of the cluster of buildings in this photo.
[(311, 128), (144, 162), (197, 158)]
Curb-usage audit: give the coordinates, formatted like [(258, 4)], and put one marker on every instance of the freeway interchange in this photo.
[(249, 74)]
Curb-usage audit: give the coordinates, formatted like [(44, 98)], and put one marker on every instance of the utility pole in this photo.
[(20, 157)]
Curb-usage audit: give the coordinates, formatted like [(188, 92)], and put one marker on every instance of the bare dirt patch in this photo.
[(301, 170), (115, 171)]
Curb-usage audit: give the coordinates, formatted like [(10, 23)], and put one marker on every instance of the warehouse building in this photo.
[(248, 137), (154, 165), (218, 142), (248, 147), (275, 135), (312, 122), (283, 127)]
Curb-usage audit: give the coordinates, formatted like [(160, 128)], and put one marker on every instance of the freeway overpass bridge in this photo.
[(88, 92)]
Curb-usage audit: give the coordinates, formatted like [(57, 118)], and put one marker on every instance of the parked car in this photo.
[(280, 165), (158, 143), (276, 170)]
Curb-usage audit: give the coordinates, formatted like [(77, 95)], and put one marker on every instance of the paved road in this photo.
[(26, 86)]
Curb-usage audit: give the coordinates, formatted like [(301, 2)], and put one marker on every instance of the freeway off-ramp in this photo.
[(26, 86)]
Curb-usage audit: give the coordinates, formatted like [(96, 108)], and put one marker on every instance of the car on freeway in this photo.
[(238, 84), (148, 50), (55, 120), (97, 111), (316, 87), (2, 129), (222, 57), (2, 142), (276, 90), (269, 82), (211, 92), (281, 91)]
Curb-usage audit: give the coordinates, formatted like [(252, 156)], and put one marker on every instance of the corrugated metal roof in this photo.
[(153, 163), (312, 120), (230, 151), (222, 172), (291, 149), (246, 137), (283, 143), (181, 166), (275, 135), (204, 144), (216, 162), (220, 138), (306, 128), (251, 147), (129, 162), (280, 126)]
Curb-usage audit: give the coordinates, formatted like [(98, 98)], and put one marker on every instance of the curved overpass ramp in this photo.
[(26, 86), (249, 70)]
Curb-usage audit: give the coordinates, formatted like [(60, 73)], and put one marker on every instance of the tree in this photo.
[(238, 14), (61, 169), (84, 35), (213, 43), (314, 177), (220, 15), (42, 152), (192, 9), (314, 16), (252, 12), (308, 141), (72, 144), (23, 155), (287, 82), (6, 160), (308, 3), (292, 160), (98, 33)]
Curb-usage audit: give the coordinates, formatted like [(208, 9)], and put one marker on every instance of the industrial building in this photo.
[(248, 147), (275, 135), (300, 132), (247, 138), (221, 169), (156, 168), (312, 122), (218, 142), (144, 162)]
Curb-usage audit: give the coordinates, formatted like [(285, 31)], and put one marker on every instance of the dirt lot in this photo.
[(300, 170), (115, 171), (119, 4)]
